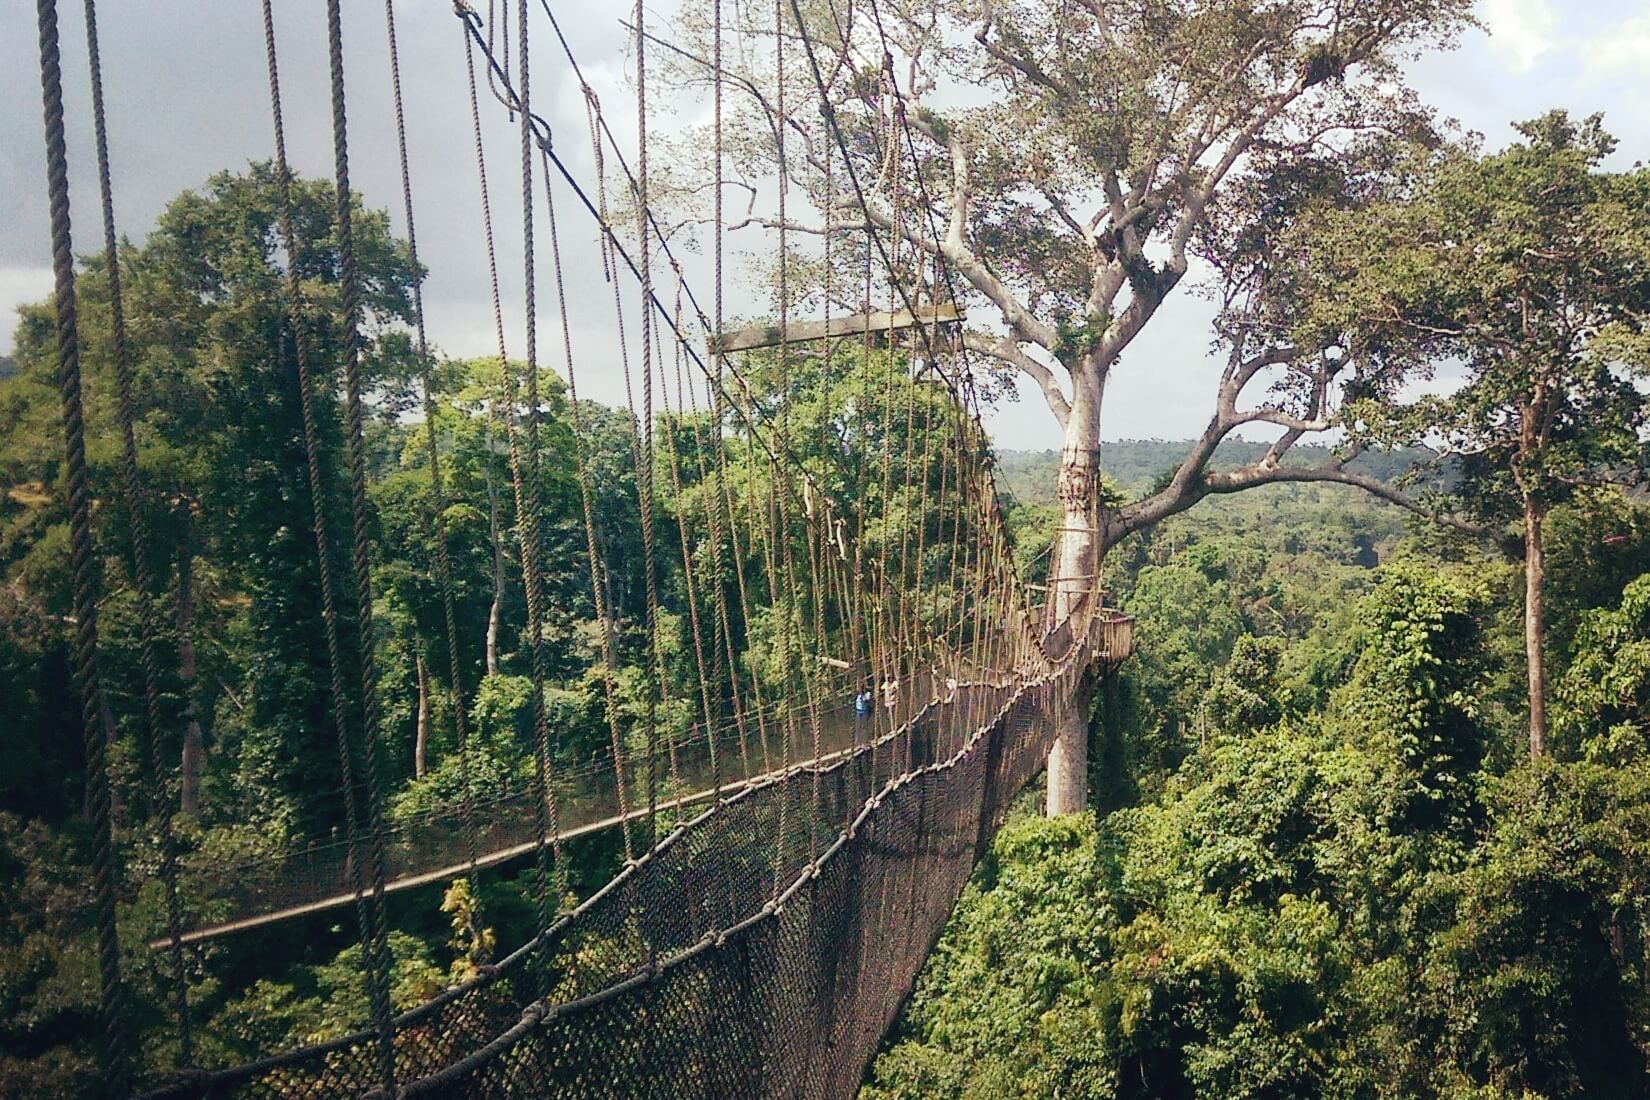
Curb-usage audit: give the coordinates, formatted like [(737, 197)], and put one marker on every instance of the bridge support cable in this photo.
[(598, 573), (349, 280), (644, 469), (529, 519), (684, 528), (786, 605), (114, 1055), (369, 905), (714, 391), (639, 435), (159, 791), (438, 494)]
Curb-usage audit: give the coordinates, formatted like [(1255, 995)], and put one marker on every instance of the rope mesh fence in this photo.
[(687, 975)]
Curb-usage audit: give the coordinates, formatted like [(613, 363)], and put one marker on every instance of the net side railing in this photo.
[(761, 948), (794, 999), (437, 846)]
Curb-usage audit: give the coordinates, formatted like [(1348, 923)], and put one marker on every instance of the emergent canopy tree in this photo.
[(1531, 270), (221, 455), (1074, 159)]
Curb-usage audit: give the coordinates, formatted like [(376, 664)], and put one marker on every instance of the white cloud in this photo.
[(1624, 48), (1520, 30)]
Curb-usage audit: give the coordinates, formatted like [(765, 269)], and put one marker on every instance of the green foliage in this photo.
[(1011, 1004), (328, 1000), (473, 944), (1246, 696), (1604, 696), (1342, 898), (1414, 684)]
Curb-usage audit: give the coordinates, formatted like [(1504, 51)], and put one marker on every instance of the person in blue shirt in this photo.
[(864, 703)]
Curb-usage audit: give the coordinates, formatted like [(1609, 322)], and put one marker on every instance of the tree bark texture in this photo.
[(1074, 569), (1535, 637), (1068, 760), (193, 762)]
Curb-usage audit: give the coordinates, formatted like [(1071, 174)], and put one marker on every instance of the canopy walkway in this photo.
[(866, 682), (434, 848)]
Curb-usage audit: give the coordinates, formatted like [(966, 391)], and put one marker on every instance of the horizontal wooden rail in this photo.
[(768, 336)]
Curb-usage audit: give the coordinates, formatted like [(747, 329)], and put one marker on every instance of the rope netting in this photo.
[(861, 684), (684, 977)]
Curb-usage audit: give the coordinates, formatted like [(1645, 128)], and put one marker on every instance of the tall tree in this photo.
[(1530, 269), (1103, 150), (218, 426)]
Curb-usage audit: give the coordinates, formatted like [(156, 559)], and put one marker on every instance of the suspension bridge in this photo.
[(868, 677)]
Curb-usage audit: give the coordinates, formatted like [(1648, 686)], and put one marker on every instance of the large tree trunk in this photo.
[(421, 739), (1534, 624), (193, 762), (495, 614), (1074, 569)]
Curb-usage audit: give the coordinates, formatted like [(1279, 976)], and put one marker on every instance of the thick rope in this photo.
[(160, 800), (682, 528), (83, 558), (367, 914), (493, 527), (724, 651), (644, 471), (349, 282), (598, 585), (529, 525), (777, 517), (438, 495)]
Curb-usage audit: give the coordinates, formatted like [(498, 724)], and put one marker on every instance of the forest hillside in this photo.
[(1321, 862)]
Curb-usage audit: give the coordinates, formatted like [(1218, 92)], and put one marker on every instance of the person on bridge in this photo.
[(864, 703), (890, 693)]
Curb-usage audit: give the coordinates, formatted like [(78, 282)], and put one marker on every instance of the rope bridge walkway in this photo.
[(695, 973), (432, 848), (866, 680)]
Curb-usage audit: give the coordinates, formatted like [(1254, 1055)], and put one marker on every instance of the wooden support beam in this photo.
[(767, 336)]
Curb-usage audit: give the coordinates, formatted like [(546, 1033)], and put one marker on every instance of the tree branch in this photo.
[(1024, 324), (1247, 477), (1008, 350)]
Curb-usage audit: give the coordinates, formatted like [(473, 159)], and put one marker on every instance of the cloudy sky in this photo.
[(188, 97)]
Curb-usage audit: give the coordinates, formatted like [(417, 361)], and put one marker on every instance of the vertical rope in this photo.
[(776, 498), (609, 251), (160, 801), (114, 1053), (682, 517), (719, 411), (349, 280), (368, 912), (644, 471), (438, 494), (598, 586), (529, 526)]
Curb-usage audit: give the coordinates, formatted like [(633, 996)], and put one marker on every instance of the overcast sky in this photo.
[(187, 97)]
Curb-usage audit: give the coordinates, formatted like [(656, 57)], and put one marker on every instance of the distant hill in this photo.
[(1138, 464)]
